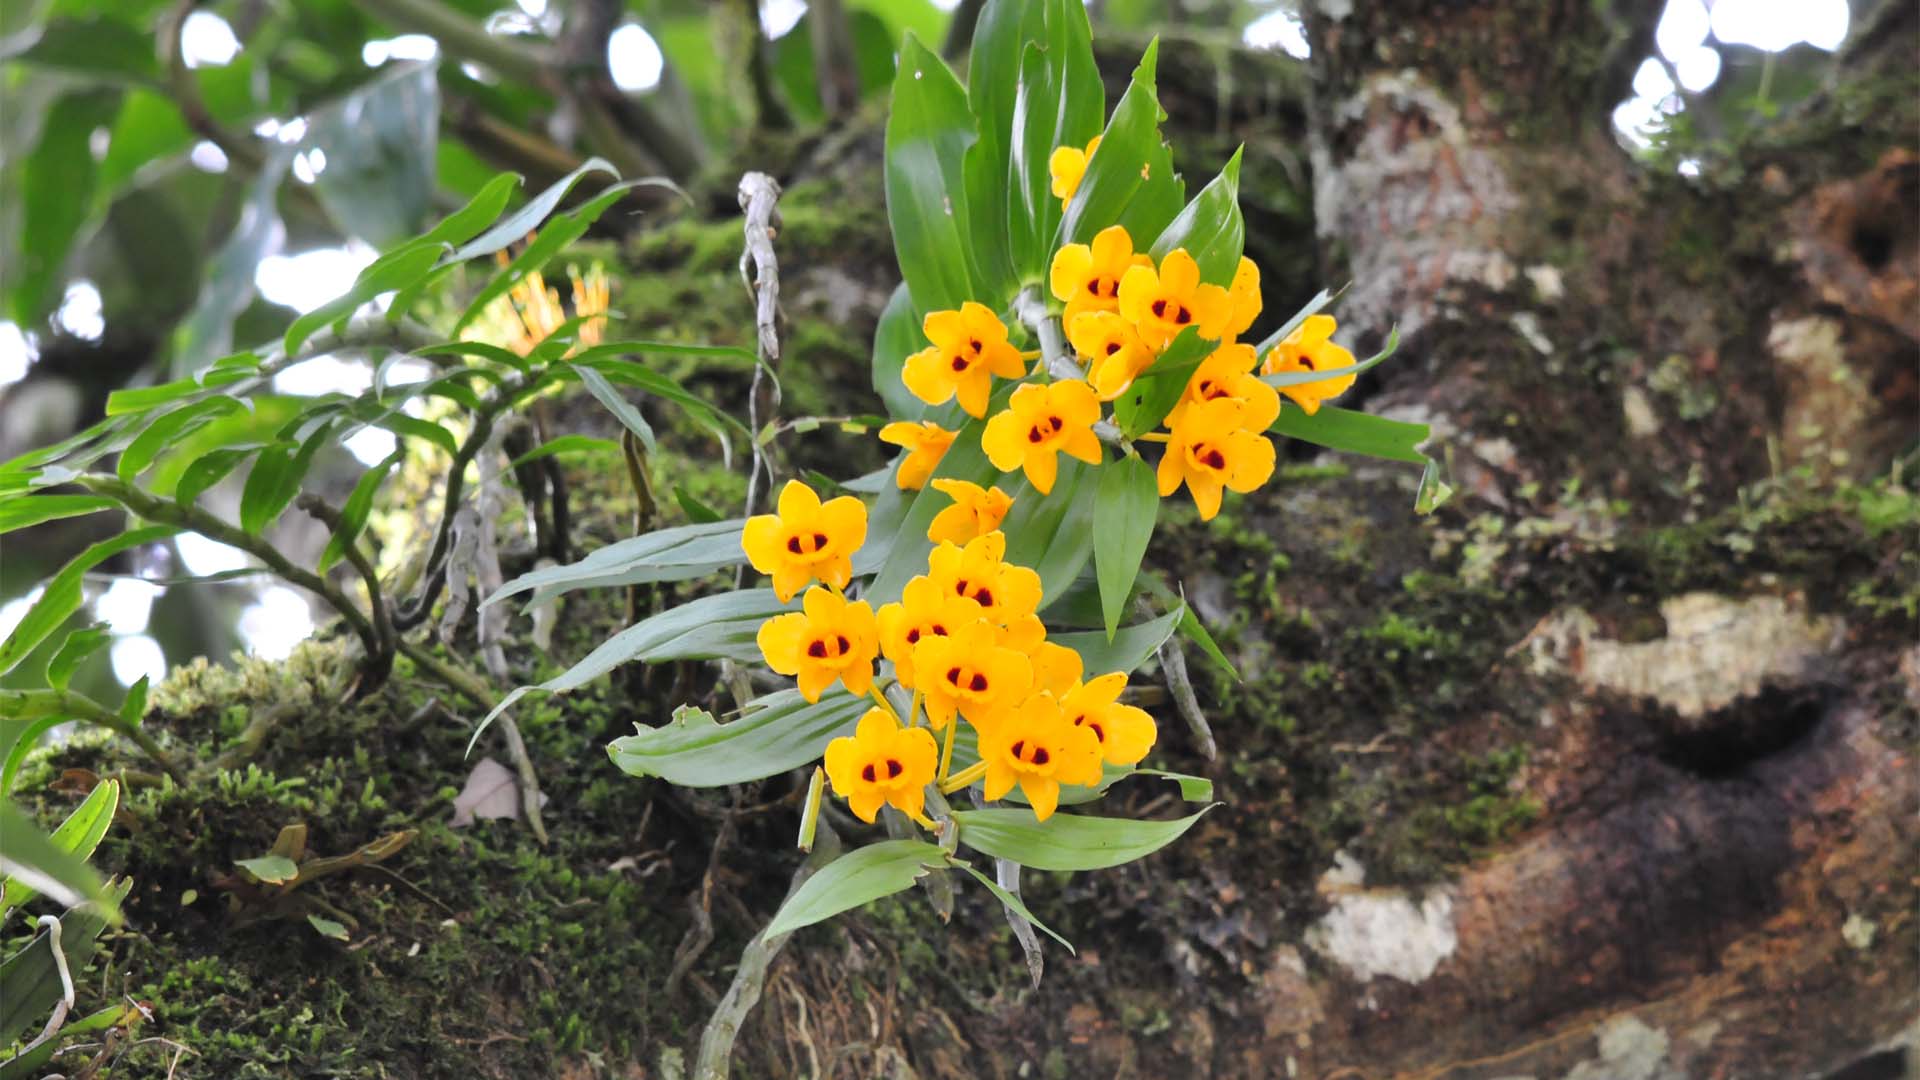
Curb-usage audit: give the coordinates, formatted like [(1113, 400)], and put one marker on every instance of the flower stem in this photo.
[(1153, 436), (881, 700), (964, 777), (946, 752)]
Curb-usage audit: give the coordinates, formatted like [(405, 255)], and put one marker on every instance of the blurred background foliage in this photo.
[(179, 179)]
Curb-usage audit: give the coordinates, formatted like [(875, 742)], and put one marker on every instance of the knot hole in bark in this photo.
[(1751, 729)]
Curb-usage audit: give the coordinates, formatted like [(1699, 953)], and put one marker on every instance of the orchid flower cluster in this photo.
[(964, 639)]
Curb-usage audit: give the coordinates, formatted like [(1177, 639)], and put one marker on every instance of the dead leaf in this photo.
[(490, 793)]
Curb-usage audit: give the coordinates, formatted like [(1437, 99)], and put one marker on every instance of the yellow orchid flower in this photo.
[(969, 348), (1087, 276), (806, 539), (830, 640), (1161, 303), (1036, 747), (976, 511), (925, 442), (1111, 348), (1311, 348), (1228, 373), (923, 610), (1038, 423), (1056, 668), (1067, 164), (1125, 732), (1005, 592), (1243, 298), (1210, 449), (882, 763), (969, 673)]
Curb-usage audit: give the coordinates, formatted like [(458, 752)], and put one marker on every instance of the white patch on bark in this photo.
[(1641, 421), (1717, 649), (1528, 326), (1629, 1050), (1381, 932), (1547, 284), (1827, 402)]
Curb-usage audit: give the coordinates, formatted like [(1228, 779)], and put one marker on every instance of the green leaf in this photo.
[(1066, 841), (897, 337), (1127, 649), (134, 705), (622, 409), (1130, 180), (327, 928), (1124, 513), (229, 284), (62, 594), (208, 471), (568, 444), (1355, 433), (1300, 378), (1195, 631), (379, 144), (629, 373), (697, 512), (105, 49), (32, 980), (1060, 101), (32, 509), (517, 225), (78, 645), (165, 431), (144, 398), (270, 869), (1314, 306), (56, 186), (676, 554), (393, 271), (353, 513), (550, 241), (901, 553), (778, 732), (1053, 533), (1192, 788), (77, 836), (1012, 902), (20, 733), (856, 878), (412, 427), (36, 862), (928, 132), (275, 480), (1210, 228), (1154, 394), (723, 625), (481, 210)]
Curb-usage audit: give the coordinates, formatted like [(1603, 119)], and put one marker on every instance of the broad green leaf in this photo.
[(24, 510), (77, 836), (37, 863), (146, 397), (62, 594), (774, 734), (1126, 650), (208, 471), (1124, 512), (353, 513), (481, 210), (100, 48), (393, 271), (271, 869), (1066, 841), (31, 979), (1012, 902), (78, 645), (1210, 228), (149, 126), (859, 877), (518, 224), (165, 431), (229, 284), (1192, 788), (328, 928), (275, 479), (56, 185), (629, 373), (1154, 394), (22, 731), (379, 145), (697, 512), (897, 337), (1354, 432), (723, 625), (1053, 533), (1060, 101), (1130, 180), (676, 554), (1196, 632), (1001, 35), (134, 705), (928, 132)]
